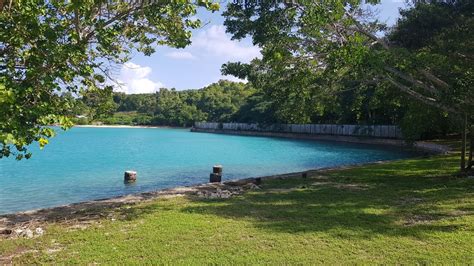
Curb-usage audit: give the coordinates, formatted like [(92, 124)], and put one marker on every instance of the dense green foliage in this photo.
[(48, 47), (323, 62), (405, 212), (333, 61), (218, 102)]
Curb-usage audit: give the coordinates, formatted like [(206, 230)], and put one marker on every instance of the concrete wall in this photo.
[(376, 131)]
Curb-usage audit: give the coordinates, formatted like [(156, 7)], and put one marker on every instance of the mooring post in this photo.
[(217, 169), (130, 176), (216, 175), (215, 178)]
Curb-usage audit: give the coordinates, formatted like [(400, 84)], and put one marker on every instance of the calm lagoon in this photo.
[(88, 163)]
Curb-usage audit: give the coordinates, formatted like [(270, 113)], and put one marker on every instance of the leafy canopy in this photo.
[(314, 51), (50, 47)]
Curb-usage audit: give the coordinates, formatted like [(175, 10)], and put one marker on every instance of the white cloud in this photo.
[(135, 79), (215, 41), (181, 55), (234, 79)]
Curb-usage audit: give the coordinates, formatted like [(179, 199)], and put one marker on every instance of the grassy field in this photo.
[(410, 211)]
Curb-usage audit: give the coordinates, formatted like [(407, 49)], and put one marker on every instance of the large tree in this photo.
[(48, 47), (313, 50)]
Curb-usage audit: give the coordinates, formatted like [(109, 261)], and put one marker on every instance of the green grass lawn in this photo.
[(409, 211)]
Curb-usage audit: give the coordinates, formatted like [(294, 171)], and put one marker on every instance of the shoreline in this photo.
[(126, 126), (428, 147), (77, 210)]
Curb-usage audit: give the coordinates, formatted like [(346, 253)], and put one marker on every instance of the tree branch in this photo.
[(77, 24), (359, 28), (422, 98), (113, 19), (410, 79), (434, 79)]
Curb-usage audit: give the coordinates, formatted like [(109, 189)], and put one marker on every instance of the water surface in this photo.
[(88, 163)]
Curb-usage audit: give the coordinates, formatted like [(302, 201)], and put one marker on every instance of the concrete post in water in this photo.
[(217, 169), (130, 176), (215, 178), (216, 175)]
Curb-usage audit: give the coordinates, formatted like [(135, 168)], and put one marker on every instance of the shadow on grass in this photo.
[(404, 198)]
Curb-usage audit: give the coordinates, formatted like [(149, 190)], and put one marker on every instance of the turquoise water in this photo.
[(88, 163)]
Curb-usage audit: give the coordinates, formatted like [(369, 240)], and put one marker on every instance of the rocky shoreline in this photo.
[(124, 126), (30, 223)]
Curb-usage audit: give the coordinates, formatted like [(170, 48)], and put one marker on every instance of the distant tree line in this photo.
[(219, 102), (227, 101)]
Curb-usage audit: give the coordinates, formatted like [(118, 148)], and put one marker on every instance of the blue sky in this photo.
[(198, 65)]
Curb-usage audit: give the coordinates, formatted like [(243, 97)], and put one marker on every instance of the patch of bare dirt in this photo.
[(282, 190), (353, 186), (417, 219), (409, 200), (347, 186), (8, 259), (319, 177), (460, 212)]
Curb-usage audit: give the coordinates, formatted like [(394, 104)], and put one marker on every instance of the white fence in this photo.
[(378, 131)]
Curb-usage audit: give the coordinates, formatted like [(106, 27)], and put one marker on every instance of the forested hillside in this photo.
[(219, 102), (227, 101)]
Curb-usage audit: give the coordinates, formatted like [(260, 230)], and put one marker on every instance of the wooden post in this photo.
[(470, 162), (304, 175), (130, 176), (463, 143), (258, 181)]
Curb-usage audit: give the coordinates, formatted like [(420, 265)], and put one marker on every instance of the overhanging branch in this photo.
[(411, 79), (422, 98)]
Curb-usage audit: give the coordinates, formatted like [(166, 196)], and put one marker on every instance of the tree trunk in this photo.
[(470, 161), (463, 144)]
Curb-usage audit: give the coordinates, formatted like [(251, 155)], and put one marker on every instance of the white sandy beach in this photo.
[(122, 126)]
